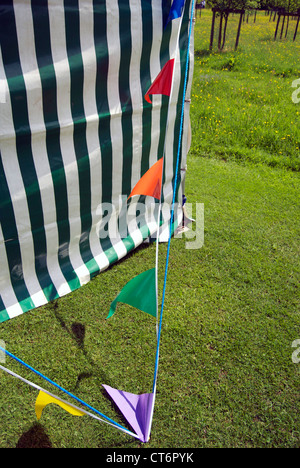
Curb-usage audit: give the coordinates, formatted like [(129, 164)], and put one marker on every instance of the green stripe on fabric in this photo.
[(41, 25), (126, 100), (2, 306), (164, 57), (183, 44), (102, 55), (124, 91), (105, 137), (25, 304), (145, 76), (11, 240), (3, 315), (72, 24), (24, 151)]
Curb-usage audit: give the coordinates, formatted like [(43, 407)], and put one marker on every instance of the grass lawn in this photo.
[(226, 374), (242, 101)]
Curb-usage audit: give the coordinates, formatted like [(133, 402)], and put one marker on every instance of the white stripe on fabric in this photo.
[(113, 42), (3, 91), (33, 86), (90, 108), (62, 71), (5, 126), (155, 68), (135, 89), (20, 207), (186, 140), (10, 301), (169, 144)]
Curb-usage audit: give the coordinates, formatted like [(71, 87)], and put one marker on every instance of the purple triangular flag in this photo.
[(137, 409)]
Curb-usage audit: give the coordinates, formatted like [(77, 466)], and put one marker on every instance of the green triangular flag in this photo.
[(140, 292)]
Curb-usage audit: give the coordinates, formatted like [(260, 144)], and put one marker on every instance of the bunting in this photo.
[(176, 10), (163, 82), (45, 399), (137, 410), (42, 400), (151, 182), (78, 138), (140, 292)]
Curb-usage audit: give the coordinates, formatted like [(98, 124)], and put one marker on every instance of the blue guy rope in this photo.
[(173, 201), (65, 391)]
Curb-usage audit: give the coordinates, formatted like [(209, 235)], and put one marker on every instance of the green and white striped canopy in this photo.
[(76, 135)]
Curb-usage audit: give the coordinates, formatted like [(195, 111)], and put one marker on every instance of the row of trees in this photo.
[(222, 8), (289, 6)]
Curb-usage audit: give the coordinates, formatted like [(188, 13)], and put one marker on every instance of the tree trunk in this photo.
[(220, 32), (239, 31), (287, 26), (282, 26), (225, 30), (296, 29), (212, 31), (277, 26)]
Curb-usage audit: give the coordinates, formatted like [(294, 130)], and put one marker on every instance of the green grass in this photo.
[(226, 376), (242, 106)]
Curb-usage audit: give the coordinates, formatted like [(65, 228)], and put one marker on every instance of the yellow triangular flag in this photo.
[(44, 399)]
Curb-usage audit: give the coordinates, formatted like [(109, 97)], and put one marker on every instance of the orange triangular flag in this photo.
[(150, 183)]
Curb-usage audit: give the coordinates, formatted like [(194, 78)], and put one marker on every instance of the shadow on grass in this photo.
[(202, 52), (77, 333), (35, 437)]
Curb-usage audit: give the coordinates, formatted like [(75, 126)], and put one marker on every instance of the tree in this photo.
[(222, 9), (286, 9)]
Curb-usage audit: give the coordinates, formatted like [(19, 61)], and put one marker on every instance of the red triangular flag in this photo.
[(163, 82), (150, 183), (137, 409)]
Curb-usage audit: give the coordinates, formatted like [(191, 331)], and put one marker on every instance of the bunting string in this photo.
[(174, 195), (105, 418), (51, 395), (142, 291)]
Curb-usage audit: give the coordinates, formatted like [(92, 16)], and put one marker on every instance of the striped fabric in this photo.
[(76, 134)]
